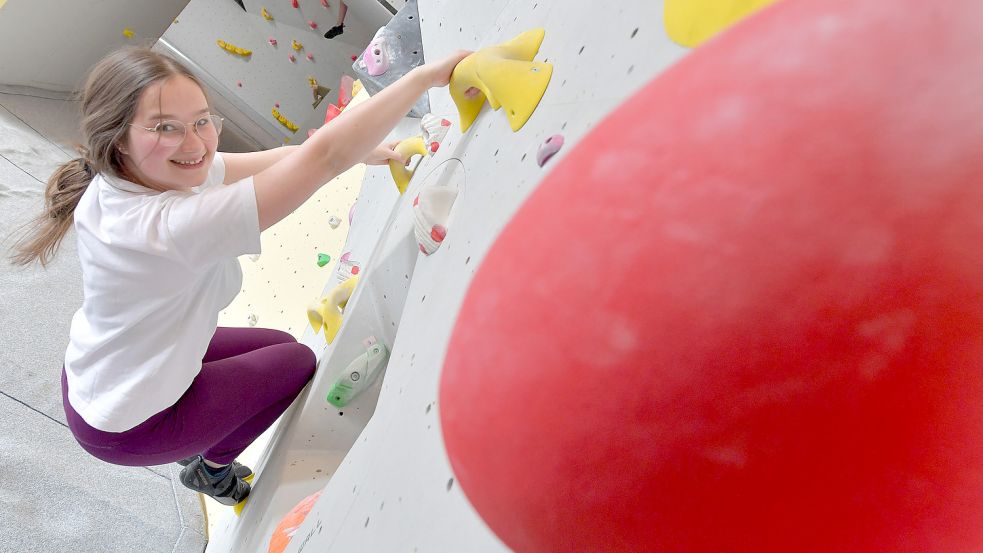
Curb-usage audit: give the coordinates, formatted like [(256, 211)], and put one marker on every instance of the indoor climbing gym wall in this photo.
[(273, 58), (658, 271), (378, 461), (297, 254)]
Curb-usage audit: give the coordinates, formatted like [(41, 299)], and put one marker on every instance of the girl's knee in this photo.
[(280, 337), (304, 360)]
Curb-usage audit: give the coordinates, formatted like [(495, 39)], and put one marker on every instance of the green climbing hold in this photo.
[(323, 259)]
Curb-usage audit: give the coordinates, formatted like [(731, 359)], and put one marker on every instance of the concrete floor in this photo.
[(53, 495)]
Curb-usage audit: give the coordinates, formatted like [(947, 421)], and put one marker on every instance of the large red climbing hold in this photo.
[(785, 349)]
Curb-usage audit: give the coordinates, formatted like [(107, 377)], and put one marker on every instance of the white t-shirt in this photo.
[(156, 270)]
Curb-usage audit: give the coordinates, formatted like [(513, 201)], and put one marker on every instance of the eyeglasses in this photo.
[(171, 133)]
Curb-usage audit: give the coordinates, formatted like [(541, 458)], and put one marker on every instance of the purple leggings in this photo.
[(248, 378)]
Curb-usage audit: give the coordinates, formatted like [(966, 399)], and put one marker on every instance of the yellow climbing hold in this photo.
[(234, 49), (296, 45), (239, 506), (408, 147), (356, 88), (266, 15), (692, 22), (506, 76), (328, 311), (284, 121), (128, 33)]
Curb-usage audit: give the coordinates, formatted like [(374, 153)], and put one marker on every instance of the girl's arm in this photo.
[(241, 165), (289, 182)]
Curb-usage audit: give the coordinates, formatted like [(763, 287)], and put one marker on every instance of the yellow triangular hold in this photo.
[(692, 22), (528, 83), (237, 508), (406, 148), (506, 76)]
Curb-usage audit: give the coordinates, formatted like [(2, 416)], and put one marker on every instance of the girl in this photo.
[(160, 218)]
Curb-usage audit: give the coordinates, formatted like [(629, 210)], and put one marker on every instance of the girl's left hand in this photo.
[(383, 153)]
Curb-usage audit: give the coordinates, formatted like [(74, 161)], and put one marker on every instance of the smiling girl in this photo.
[(161, 218)]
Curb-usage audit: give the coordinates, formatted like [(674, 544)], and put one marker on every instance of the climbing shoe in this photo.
[(334, 31), (227, 489), (242, 471)]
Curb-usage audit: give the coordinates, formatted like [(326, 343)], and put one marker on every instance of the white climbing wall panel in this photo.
[(268, 77), (387, 482)]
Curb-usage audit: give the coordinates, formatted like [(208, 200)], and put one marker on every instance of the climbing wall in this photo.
[(299, 253), (274, 76), (380, 461)]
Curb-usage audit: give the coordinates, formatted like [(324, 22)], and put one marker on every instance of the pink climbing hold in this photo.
[(438, 233), (310, 56), (295, 4), (355, 269), (292, 58), (345, 257), (434, 146), (416, 201), (333, 111), (239, 84), (354, 57), (276, 105), (549, 148), (445, 123), (424, 250), (272, 41), (312, 24), (345, 90), (325, 4), (376, 55)]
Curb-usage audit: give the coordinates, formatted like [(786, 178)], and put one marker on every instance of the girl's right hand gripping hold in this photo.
[(441, 70)]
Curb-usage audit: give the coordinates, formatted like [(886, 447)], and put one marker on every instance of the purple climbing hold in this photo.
[(548, 149)]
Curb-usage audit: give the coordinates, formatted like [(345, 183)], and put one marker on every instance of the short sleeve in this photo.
[(213, 224)]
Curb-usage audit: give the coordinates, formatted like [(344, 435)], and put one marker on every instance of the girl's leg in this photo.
[(229, 341), (235, 443), (234, 400), (230, 403)]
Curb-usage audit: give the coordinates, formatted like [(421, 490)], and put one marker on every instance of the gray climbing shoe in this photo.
[(242, 471), (229, 490)]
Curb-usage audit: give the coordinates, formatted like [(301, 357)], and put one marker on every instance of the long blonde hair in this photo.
[(109, 102)]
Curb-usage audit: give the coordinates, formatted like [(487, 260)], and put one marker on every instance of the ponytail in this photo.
[(43, 235)]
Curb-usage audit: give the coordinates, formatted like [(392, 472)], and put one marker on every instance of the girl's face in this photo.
[(161, 159)]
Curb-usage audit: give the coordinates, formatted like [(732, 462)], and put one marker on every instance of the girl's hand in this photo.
[(383, 153), (439, 72)]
